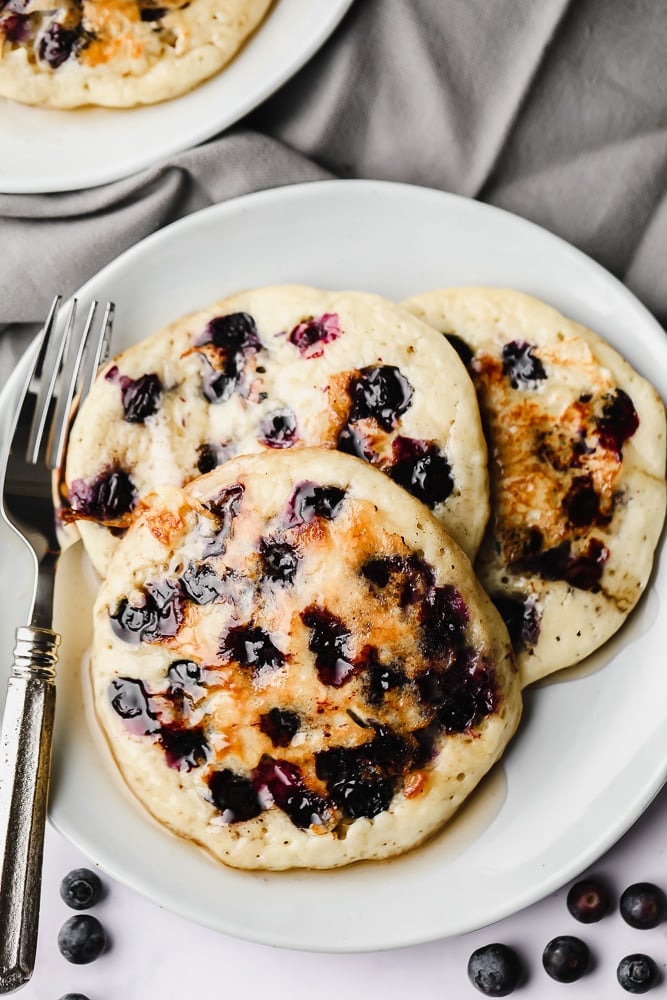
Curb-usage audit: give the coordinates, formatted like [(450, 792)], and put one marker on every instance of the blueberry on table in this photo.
[(495, 969), (588, 901), (643, 905), (74, 996), (566, 959), (637, 973), (82, 939), (81, 889)]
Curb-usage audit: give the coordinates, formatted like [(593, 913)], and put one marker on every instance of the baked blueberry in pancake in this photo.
[(277, 369), (295, 665), (577, 445), (117, 53)]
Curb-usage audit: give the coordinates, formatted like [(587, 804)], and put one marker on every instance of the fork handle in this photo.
[(25, 764)]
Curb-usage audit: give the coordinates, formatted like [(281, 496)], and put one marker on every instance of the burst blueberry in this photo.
[(234, 795), (523, 369), (382, 393), (81, 888)]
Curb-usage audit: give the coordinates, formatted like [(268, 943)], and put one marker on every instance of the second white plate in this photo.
[(592, 748), (46, 150)]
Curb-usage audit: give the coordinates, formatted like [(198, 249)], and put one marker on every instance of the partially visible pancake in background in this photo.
[(117, 53), (577, 468), (279, 368), (295, 666)]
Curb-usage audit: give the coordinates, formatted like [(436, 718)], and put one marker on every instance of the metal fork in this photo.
[(64, 368)]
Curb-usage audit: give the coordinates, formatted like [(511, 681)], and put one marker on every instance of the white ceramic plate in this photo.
[(45, 150), (592, 749)]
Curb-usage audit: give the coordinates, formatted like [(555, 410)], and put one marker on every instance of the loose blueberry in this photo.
[(588, 901), (495, 969), (637, 973), (140, 397), (381, 392), (74, 996), (82, 939), (566, 959), (81, 889), (234, 795), (521, 366), (643, 905)]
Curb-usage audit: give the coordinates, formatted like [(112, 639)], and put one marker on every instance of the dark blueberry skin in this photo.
[(130, 700), (643, 905), (16, 27), (495, 969), (422, 469), (106, 498), (251, 646), (234, 795), (637, 973), (280, 725), (618, 422), (74, 996), (460, 696), (381, 392), (310, 500), (581, 504), (356, 779), (185, 676), (464, 352), (159, 617), (57, 44), (412, 576), (82, 939), (328, 641), (152, 13), (380, 680), (225, 506), (140, 397), (233, 333), (444, 618), (279, 429), (522, 620), (286, 785), (521, 366), (184, 748), (81, 889), (588, 901), (280, 561), (566, 959), (583, 571), (208, 457)]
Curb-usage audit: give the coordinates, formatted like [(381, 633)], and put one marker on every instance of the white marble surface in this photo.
[(155, 955)]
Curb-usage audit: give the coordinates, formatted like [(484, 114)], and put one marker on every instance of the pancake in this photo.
[(295, 666), (577, 440), (117, 53), (273, 369)]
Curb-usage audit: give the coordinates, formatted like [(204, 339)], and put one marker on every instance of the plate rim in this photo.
[(650, 787)]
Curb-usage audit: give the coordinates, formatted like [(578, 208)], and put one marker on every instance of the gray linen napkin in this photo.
[(552, 109)]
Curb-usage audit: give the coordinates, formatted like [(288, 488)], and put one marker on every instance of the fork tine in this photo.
[(69, 377), (54, 348), (79, 371)]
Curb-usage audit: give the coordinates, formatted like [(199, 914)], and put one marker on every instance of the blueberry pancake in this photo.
[(577, 440), (275, 369), (117, 53), (295, 665)]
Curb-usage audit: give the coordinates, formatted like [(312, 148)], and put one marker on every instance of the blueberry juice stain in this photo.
[(231, 339), (310, 501), (107, 497), (311, 335)]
